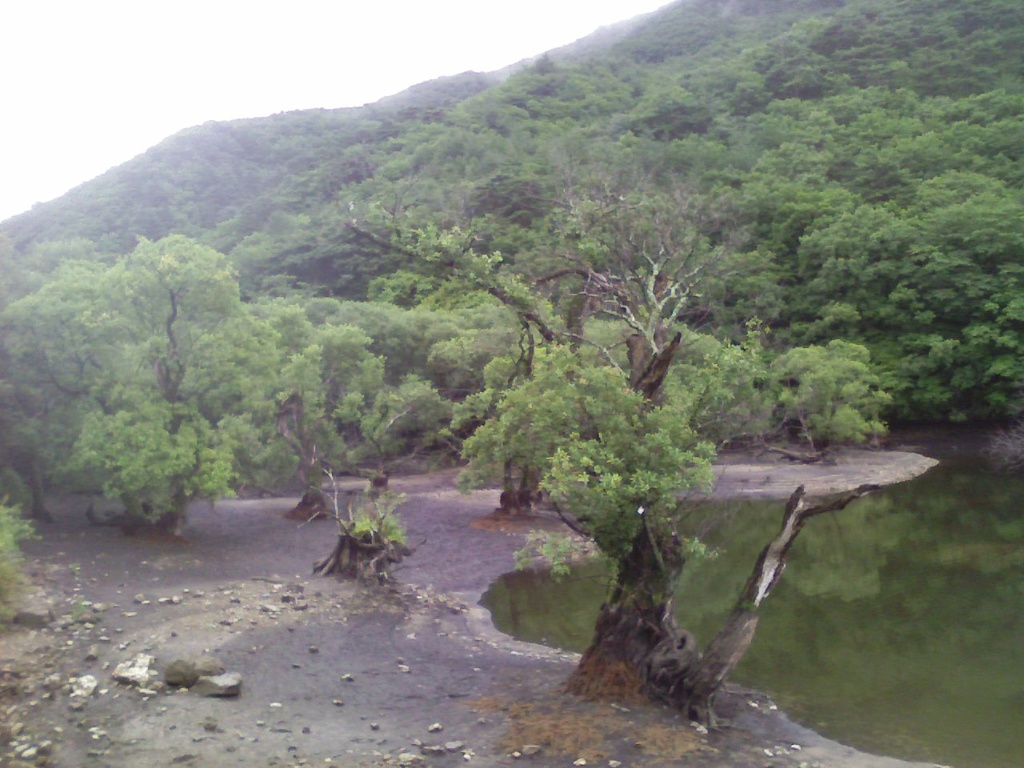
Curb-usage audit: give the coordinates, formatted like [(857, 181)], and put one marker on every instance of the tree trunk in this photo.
[(141, 518), (636, 638), (638, 649), (365, 559), (312, 506), (378, 483), (731, 643)]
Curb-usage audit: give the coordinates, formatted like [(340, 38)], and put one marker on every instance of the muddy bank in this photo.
[(333, 673)]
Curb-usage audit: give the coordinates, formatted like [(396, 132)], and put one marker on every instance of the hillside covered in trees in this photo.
[(864, 155)]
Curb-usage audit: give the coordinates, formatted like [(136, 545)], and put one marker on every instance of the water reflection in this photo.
[(898, 627)]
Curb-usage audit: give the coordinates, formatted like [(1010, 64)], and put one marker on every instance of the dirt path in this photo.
[(334, 674)]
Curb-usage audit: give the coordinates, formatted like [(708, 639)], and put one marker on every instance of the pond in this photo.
[(898, 627)]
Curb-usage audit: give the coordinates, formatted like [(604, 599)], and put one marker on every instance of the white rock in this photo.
[(84, 686), (135, 672)]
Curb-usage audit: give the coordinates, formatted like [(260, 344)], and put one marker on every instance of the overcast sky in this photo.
[(88, 84)]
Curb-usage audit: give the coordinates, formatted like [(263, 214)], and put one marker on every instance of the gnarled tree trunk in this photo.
[(638, 649), (368, 559)]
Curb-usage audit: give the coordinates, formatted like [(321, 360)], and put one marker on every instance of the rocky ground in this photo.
[(336, 674)]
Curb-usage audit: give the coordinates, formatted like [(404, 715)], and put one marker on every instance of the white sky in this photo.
[(88, 84)]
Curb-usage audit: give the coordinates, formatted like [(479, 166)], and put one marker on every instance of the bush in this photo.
[(13, 529), (1006, 448)]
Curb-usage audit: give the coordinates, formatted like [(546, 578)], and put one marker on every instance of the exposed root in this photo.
[(364, 560)]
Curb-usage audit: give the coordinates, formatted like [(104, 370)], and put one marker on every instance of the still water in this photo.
[(898, 627)]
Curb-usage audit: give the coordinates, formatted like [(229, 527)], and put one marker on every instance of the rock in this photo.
[(529, 750), (93, 653), (453, 746), (135, 672), (184, 672), (84, 686), (34, 617), (227, 684), (432, 749), (434, 728), (407, 758)]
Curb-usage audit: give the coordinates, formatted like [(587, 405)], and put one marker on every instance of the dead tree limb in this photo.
[(731, 643)]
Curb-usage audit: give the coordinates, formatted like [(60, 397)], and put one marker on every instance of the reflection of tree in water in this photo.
[(896, 629), (924, 666)]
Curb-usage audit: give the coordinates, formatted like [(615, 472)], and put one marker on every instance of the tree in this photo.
[(50, 365), (614, 445), (390, 422), (830, 394), (158, 350), (320, 365)]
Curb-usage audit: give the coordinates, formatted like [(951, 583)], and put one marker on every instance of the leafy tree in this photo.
[(830, 393), (158, 349), (319, 368), (612, 441), (391, 422)]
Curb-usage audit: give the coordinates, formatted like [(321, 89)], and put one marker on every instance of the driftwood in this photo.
[(800, 457)]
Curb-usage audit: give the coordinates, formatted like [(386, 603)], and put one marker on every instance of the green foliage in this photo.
[(556, 551), (831, 393), (372, 518), (155, 351), (13, 529), (867, 154), (375, 520), (391, 421), (598, 447), (725, 387)]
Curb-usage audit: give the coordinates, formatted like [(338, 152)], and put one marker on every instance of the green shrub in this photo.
[(374, 520), (13, 529)]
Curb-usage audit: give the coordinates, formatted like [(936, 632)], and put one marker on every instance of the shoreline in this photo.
[(421, 651), (740, 477)]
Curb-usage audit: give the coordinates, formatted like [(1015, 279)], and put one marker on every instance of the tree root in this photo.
[(361, 559)]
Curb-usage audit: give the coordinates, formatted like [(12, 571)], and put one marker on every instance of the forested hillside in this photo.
[(823, 197)]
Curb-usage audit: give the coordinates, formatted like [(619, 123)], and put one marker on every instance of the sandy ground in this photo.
[(335, 674)]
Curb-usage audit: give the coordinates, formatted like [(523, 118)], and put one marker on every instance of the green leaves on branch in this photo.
[(601, 451), (831, 393)]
